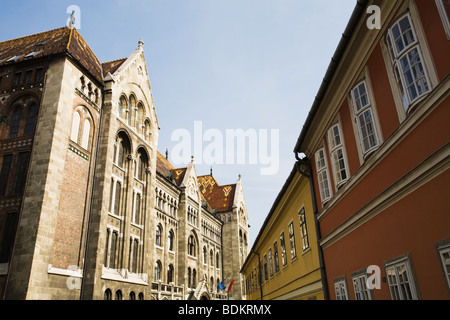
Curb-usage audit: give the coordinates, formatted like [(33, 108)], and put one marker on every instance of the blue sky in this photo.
[(232, 64)]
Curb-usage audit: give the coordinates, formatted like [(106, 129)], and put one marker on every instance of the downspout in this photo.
[(309, 176)]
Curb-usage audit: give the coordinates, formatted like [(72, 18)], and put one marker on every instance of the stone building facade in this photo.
[(89, 209)]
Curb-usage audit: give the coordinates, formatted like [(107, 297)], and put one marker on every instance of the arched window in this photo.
[(140, 119), (86, 134), (31, 119), (171, 240), (194, 278), (137, 209), (204, 255), (211, 258), (158, 270), (147, 130), (122, 106), (118, 295), (15, 122), (132, 111), (141, 164), (108, 294), (158, 241), (121, 149), (132, 295), (191, 246), (170, 273), (75, 126), (217, 260)]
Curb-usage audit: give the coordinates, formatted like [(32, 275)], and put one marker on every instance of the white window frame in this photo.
[(323, 170), (112, 230), (338, 155), (358, 113), (444, 16), (362, 292), (115, 179), (399, 55), (445, 250), (397, 282), (340, 289), (413, 12)]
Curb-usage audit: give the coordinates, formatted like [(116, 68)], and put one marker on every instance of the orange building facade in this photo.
[(377, 138)]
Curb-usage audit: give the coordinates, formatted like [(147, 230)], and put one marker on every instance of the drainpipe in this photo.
[(307, 163)]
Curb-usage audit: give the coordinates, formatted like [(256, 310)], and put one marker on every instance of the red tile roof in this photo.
[(112, 66), (218, 197), (53, 42)]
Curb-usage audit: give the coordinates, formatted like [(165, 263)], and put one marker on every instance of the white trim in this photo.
[(393, 265), (69, 272), (431, 102), (444, 17)]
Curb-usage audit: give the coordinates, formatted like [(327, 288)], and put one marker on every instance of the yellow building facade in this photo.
[(284, 262)]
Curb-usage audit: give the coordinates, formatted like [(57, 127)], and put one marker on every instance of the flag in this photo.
[(221, 285), (228, 287)]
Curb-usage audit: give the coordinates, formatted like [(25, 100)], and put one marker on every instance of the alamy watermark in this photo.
[(234, 146), (374, 21)]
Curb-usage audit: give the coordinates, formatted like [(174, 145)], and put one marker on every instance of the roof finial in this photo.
[(72, 20), (141, 44), (240, 176), (210, 172), (192, 159), (167, 154)]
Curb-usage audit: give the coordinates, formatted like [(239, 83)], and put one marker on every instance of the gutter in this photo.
[(309, 176), (358, 12)]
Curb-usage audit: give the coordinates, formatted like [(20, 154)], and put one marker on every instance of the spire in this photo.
[(141, 44)]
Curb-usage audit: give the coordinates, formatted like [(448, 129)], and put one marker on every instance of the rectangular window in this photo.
[(407, 61), (337, 154), (400, 280), (270, 263), (444, 11), (283, 249), (322, 173), (303, 229), (360, 287), (4, 174), (17, 78), (266, 272), (292, 241), (444, 254), (29, 76), (275, 256), (39, 74), (9, 233), (364, 118), (21, 175), (340, 289)]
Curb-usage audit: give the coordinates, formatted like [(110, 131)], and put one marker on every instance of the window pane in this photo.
[(21, 175), (75, 127), (4, 175), (86, 134), (14, 129), (31, 119)]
